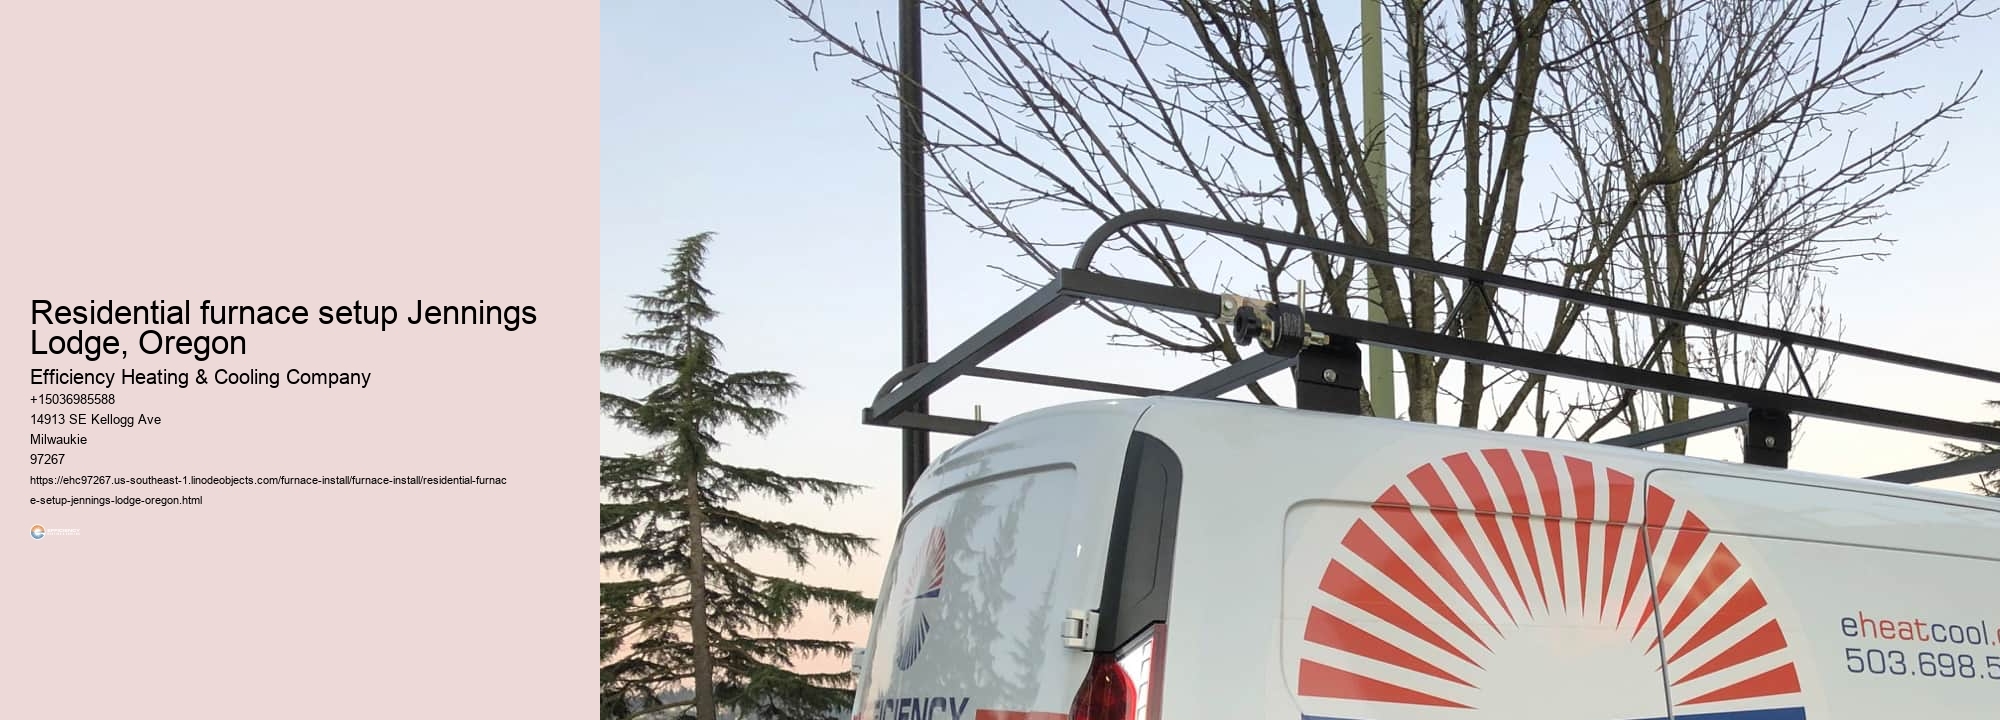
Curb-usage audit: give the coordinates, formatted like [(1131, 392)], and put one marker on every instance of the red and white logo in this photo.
[(1522, 588)]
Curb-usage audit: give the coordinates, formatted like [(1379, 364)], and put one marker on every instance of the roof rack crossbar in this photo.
[(1235, 375), (1977, 464), (1684, 429), (895, 404), (1062, 382), (1639, 379), (1004, 330), (1070, 286), (1245, 231), (913, 420)]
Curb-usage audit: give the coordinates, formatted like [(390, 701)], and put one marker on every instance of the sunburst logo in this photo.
[(927, 584), (1522, 591)]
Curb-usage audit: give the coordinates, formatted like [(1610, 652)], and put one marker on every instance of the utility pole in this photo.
[(1381, 371), (916, 285)]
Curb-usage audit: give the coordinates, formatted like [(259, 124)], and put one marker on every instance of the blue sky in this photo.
[(714, 119)]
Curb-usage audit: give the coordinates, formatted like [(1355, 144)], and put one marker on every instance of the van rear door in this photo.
[(1006, 538)]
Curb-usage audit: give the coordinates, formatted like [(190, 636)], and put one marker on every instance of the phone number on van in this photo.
[(1927, 664)]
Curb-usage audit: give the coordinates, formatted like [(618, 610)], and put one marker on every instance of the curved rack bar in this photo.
[(1244, 231), (1764, 413)]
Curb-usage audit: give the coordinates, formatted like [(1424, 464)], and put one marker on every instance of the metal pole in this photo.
[(1381, 371), (916, 287)]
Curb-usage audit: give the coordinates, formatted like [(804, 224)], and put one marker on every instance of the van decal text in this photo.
[(921, 708)]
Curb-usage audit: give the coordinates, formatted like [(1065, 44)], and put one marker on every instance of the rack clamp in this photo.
[(1327, 377)]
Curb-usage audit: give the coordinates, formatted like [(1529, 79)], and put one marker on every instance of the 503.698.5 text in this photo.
[(1923, 664)]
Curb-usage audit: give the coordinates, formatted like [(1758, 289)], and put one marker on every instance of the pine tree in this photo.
[(685, 613), (1988, 483)]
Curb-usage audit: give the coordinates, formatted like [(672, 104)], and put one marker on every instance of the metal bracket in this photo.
[(1329, 377), (1078, 628), (1767, 438), (1279, 328)]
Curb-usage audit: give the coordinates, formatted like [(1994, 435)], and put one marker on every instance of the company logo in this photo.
[(38, 532), (929, 585), (1524, 586)]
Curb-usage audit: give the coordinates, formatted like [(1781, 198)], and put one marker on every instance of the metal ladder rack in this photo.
[(1325, 349)]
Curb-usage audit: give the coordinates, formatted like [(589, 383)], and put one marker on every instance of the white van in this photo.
[(1188, 559)]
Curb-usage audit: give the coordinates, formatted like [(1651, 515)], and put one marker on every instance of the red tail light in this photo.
[(1109, 691)]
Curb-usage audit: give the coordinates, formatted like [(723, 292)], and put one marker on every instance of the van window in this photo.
[(971, 608)]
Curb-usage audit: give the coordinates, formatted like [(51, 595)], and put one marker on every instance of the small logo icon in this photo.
[(37, 532), (917, 621), (934, 565)]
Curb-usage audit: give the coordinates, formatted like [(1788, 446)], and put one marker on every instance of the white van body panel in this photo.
[(1327, 566), (1002, 536), (1920, 569)]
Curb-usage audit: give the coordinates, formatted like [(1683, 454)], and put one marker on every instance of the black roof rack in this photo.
[(1325, 348)]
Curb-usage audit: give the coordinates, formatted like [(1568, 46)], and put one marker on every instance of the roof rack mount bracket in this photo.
[(1329, 377), (1767, 438), (1327, 374)]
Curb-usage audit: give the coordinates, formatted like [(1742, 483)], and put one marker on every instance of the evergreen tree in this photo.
[(1988, 483), (684, 613)]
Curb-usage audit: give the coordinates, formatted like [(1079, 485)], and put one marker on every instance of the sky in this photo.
[(715, 119)]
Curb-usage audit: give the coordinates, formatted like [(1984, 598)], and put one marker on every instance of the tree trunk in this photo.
[(1423, 294), (1659, 39), (704, 663), (1509, 174), (1472, 303)]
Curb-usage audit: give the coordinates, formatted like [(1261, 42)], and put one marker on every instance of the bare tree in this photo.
[(1713, 156)]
